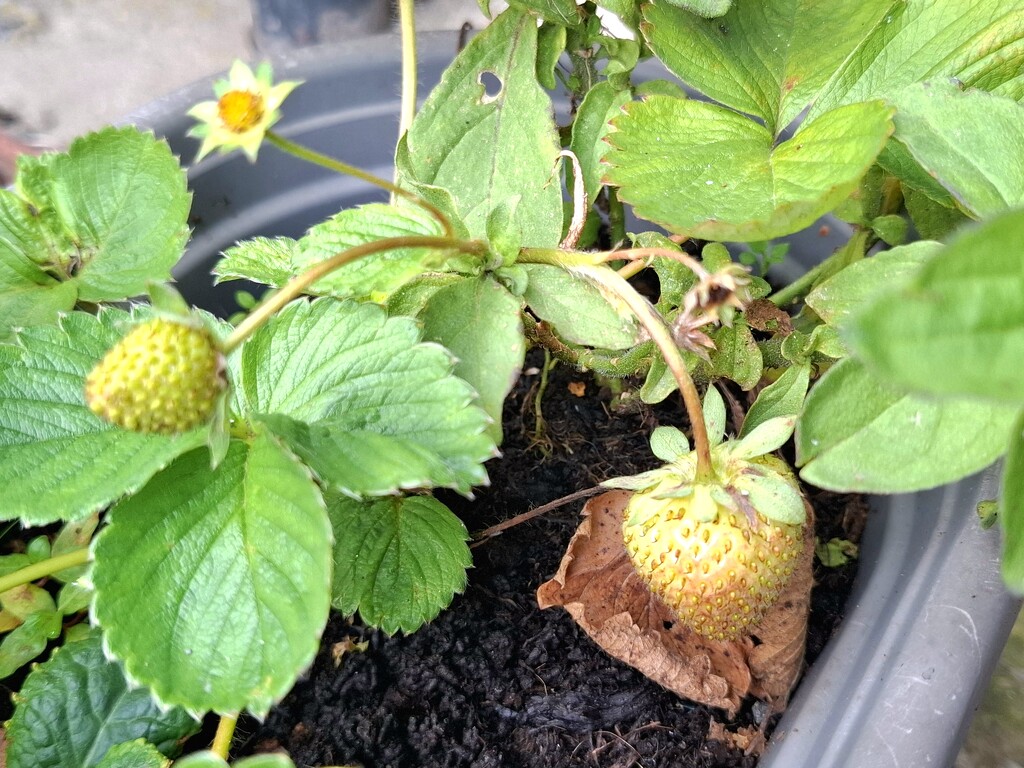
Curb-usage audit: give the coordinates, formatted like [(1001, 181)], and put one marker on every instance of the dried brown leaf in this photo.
[(597, 585), (762, 315)]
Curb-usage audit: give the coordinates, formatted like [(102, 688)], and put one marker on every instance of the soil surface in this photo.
[(496, 682)]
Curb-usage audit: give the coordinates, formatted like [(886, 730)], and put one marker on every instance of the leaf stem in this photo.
[(662, 337), (297, 285), (407, 24), (44, 568), (225, 733), (339, 166), (854, 250)]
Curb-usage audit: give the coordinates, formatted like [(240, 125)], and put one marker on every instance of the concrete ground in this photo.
[(68, 66)]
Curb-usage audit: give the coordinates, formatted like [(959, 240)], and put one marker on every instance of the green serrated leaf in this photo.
[(213, 586), (783, 397), (578, 310), (134, 754), (731, 181), (852, 288), (261, 259), (58, 461), (478, 321), (370, 407), (79, 685), (381, 273), (487, 133), (857, 433), (767, 58), (956, 327), (599, 106), (714, 414), (121, 196), (1011, 509), (938, 123), (979, 43), (398, 561), (668, 444)]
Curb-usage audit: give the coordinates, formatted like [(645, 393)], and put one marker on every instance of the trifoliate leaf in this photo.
[(213, 586), (368, 405), (859, 434), (79, 686), (487, 133), (59, 461), (398, 561), (731, 182)]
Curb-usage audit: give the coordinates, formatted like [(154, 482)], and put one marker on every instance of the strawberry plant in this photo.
[(223, 486)]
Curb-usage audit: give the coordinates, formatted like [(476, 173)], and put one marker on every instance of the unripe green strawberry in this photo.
[(709, 555), (163, 377)]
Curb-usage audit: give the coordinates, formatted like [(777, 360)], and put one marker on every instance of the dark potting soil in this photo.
[(496, 682)]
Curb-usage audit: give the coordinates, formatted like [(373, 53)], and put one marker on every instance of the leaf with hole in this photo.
[(487, 133)]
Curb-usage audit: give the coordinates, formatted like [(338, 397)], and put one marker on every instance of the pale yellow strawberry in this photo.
[(163, 377), (715, 567)]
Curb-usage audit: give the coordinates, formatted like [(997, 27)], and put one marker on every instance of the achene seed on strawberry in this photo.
[(163, 377)]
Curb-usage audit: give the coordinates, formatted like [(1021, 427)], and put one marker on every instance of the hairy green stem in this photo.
[(298, 285), (617, 365), (44, 568), (225, 733), (339, 166), (571, 259), (407, 24), (662, 337), (849, 253)]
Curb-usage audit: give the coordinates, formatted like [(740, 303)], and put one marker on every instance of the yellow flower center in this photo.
[(240, 111)]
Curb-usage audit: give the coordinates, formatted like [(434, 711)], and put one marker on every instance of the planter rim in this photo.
[(929, 614)]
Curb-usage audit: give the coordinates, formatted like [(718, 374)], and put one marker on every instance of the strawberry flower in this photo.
[(246, 107)]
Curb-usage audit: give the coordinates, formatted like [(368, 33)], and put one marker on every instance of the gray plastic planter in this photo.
[(928, 618)]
